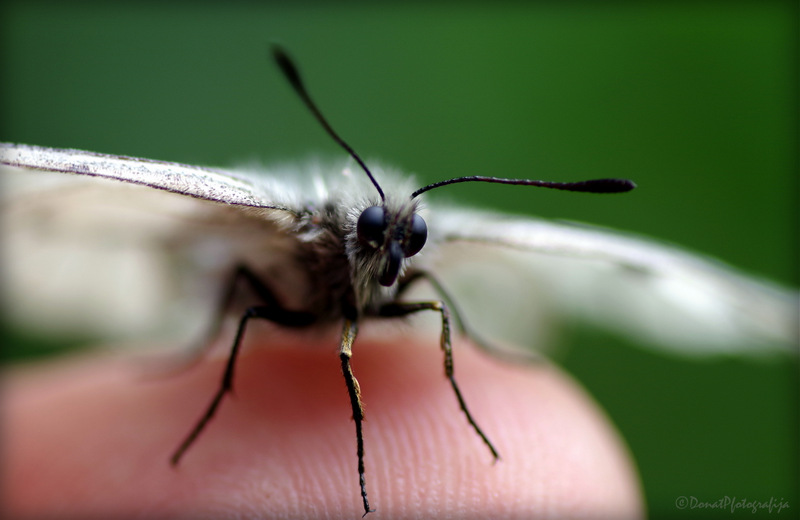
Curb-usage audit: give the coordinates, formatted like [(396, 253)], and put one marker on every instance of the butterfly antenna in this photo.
[(293, 75), (592, 186)]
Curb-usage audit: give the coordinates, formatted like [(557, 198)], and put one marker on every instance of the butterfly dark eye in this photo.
[(418, 234), (371, 226)]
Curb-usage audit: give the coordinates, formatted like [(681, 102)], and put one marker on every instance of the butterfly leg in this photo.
[(198, 350), (398, 309), (354, 390), (232, 286), (273, 312), (527, 356), (458, 317)]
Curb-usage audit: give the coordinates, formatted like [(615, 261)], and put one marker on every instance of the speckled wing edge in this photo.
[(193, 181), (140, 215)]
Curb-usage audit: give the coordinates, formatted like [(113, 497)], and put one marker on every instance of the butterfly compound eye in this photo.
[(371, 227), (418, 234)]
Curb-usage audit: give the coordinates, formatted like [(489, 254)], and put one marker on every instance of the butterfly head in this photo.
[(386, 236), (392, 236)]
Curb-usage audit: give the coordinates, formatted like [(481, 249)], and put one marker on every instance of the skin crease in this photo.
[(89, 437)]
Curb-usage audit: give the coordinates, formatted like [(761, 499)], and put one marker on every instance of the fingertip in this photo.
[(286, 443)]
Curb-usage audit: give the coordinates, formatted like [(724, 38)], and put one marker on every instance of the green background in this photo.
[(695, 101)]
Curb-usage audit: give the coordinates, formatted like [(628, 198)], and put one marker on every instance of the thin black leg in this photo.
[(272, 313), (241, 274), (233, 285), (398, 309), (415, 276), (527, 356), (354, 390)]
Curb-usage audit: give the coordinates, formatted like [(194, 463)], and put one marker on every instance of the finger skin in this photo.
[(91, 438)]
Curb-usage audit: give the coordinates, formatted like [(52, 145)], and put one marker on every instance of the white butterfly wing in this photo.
[(194, 181), (513, 278), (82, 255), (526, 274)]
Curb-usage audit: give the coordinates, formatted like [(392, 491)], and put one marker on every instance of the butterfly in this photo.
[(342, 244)]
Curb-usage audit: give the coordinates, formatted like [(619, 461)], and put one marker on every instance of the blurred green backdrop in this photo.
[(694, 101)]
